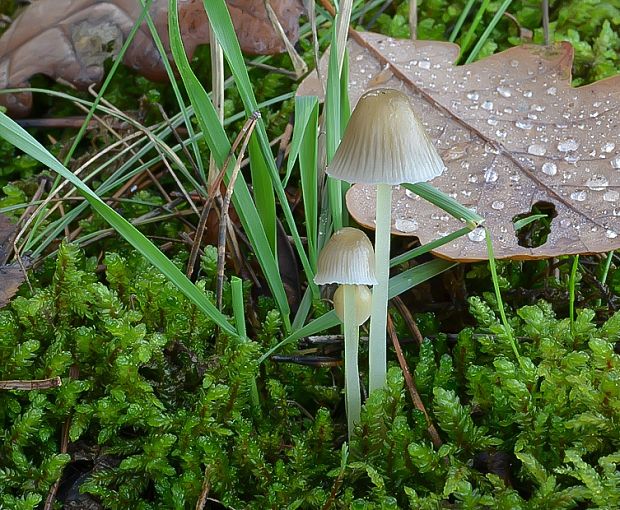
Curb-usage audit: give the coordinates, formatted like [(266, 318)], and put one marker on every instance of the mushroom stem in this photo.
[(351, 370), (377, 350)]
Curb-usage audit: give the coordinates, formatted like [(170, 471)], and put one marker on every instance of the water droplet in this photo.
[(498, 205), (537, 149), (477, 235), (524, 124), (514, 63), (550, 168), (492, 121), (490, 175), (579, 195), (405, 225), (474, 96), (608, 147), (615, 163), (568, 145), (610, 234), (501, 133), (552, 91), (504, 91), (424, 64), (565, 223), (472, 178), (597, 182), (410, 193), (611, 196), (528, 93), (487, 105), (537, 108)]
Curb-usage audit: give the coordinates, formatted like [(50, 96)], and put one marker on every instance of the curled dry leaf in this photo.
[(11, 275), (71, 39), (513, 133)]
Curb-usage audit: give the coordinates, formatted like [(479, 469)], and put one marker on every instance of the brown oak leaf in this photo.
[(71, 39), (11, 275), (513, 134)]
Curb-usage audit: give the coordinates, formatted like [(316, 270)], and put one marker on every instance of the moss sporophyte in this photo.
[(348, 259), (384, 144)]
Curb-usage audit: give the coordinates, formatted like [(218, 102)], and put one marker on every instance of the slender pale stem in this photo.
[(377, 350), (351, 370)]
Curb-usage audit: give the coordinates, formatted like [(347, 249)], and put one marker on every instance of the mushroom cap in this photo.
[(347, 259), (385, 143)]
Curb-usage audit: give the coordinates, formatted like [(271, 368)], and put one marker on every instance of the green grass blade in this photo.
[(465, 43), (498, 296), (572, 283), (227, 37), (333, 131), (264, 197), (487, 31), (425, 248), (448, 204), (519, 224), (218, 143), (304, 147), (461, 20), (236, 286), (18, 137)]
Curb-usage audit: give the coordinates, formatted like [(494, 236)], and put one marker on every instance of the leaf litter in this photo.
[(514, 135), (11, 275), (70, 40)]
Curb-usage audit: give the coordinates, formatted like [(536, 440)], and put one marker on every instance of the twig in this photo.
[(74, 373), (413, 19), (298, 63), (35, 384), (409, 320), (545, 16), (221, 241), (204, 492), (413, 391)]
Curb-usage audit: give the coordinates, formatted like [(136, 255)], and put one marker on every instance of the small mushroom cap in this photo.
[(385, 143), (347, 259)]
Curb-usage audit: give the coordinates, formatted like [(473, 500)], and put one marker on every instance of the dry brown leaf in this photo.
[(71, 39), (11, 276), (513, 132)]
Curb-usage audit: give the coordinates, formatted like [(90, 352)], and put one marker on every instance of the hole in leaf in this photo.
[(532, 228)]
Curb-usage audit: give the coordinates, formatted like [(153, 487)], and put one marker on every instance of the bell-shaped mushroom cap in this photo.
[(385, 143), (347, 259)]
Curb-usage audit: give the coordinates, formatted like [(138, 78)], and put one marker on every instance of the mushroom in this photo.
[(384, 144), (349, 260)]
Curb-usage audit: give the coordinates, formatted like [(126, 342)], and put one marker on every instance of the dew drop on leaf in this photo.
[(550, 168), (405, 225), (568, 145), (477, 235), (579, 195)]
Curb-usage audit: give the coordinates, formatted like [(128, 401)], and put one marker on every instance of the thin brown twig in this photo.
[(409, 320), (413, 391), (34, 384), (74, 373), (221, 241), (204, 492), (413, 19)]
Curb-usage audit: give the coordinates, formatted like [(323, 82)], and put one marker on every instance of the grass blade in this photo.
[(218, 143), (18, 137)]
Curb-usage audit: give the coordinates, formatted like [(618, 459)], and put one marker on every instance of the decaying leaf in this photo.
[(513, 133), (11, 275), (71, 39)]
